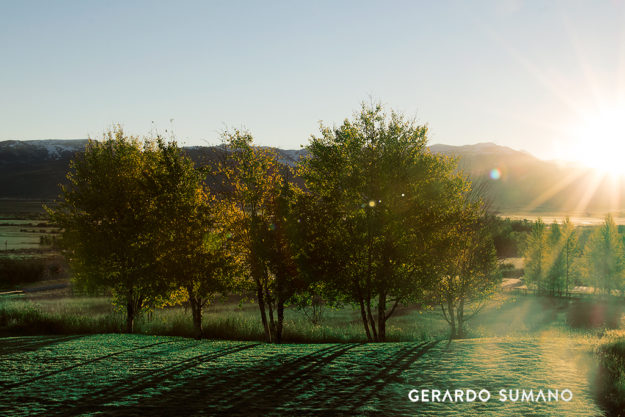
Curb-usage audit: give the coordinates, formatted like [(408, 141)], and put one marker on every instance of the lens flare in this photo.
[(495, 173)]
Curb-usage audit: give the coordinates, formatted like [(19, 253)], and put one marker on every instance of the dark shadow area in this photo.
[(592, 314), (28, 344), (96, 401), (39, 377), (373, 385), (269, 386)]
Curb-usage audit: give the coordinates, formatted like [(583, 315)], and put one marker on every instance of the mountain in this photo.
[(515, 181), (518, 182), (33, 169)]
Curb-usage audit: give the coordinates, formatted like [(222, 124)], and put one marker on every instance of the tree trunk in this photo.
[(363, 314), (371, 320), (263, 314), (382, 317), (196, 312), (280, 321), (130, 317), (133, 307), (460, 319), (452, 318), (269, 303)]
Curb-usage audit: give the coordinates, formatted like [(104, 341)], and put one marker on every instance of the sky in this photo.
[(528, 75)]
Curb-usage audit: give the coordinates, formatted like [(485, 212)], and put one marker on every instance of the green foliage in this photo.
[(467, 271), (603, 258), (110, 219), (377, 200), (508, 235), (194, 251), (551, 257), (535, 255), (258, 211)]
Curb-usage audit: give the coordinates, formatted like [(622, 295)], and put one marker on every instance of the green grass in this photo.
[(69, 315), (506, 316), (117, 374)]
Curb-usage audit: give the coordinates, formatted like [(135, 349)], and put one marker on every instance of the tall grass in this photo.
[(234, 321), (72, 315)]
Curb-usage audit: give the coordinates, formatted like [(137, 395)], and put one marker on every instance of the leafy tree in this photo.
[(260, 198), (468, 270), (603, 256), (284, 244), (194, 249), (383, 197), (109, 220)]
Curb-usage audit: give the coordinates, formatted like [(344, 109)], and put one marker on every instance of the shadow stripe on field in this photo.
[(234, 392), (286, 376), (97, 401), (9, 346), (373, 385), (68, 368)]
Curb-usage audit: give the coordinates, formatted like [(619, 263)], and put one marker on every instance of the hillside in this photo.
[(530, 185), (33, 170)]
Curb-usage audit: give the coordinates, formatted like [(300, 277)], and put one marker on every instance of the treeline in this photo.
[(559, 257), (374, 220)]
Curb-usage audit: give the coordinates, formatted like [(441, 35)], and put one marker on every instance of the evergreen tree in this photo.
[(603, 256), (535, 256)]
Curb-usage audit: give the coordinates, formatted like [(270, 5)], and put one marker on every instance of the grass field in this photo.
[(507, 316), (148, 375), (518, 342)]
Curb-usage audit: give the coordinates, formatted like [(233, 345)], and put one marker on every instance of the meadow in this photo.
[(151, 375), (235, 319)]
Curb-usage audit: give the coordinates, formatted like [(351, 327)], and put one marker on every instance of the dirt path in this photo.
[(144, 375)]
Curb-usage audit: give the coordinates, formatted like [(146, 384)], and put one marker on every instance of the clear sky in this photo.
[(521, 74)]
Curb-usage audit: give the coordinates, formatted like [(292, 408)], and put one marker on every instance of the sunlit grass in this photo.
[(502, 317)]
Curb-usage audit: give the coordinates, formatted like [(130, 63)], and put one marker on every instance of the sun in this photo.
[(599, 140)]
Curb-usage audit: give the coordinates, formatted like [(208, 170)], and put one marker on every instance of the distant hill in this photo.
[(524, 183), (33, 169)]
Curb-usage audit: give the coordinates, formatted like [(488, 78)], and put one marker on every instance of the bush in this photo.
[(610, 386), (21, 271)]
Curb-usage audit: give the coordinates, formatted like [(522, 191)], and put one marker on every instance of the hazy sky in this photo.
[(521, 74)]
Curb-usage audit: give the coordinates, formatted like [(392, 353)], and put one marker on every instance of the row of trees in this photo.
[(369, 217), (561, 256)]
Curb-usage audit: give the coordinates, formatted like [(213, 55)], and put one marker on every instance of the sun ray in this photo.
[(589, 192), (553, 190)]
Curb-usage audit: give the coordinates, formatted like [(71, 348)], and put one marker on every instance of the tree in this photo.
[(569, 250), (383, 196), (468, 272), (536, 251), (194, 250), (283, 247), (259, 197), (109, 220), (556, 260), (603, 256)]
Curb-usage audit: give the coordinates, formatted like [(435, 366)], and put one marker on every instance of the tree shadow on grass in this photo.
[(269, 387), (10, 346), (96, 401), (230, 389), (68, 368)]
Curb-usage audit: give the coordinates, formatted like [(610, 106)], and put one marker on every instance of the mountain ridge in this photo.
[(515, 180)]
